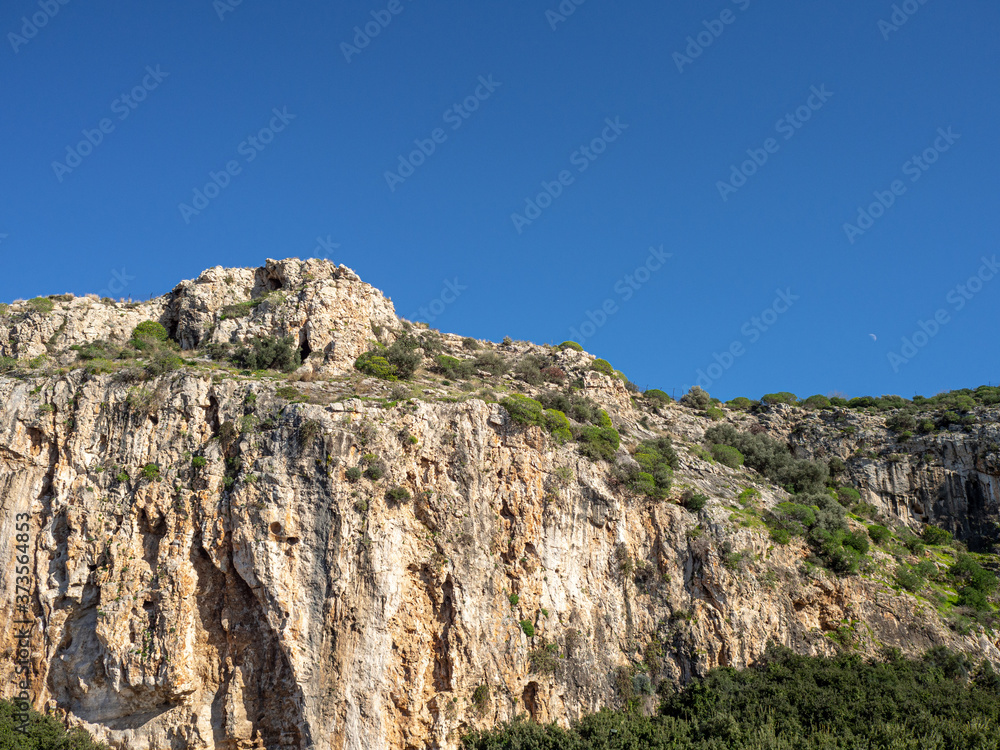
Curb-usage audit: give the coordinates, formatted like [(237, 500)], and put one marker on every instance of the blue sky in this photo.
[(763, 266)]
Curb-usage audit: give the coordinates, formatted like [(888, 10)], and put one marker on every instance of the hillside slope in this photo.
[(224, 557)]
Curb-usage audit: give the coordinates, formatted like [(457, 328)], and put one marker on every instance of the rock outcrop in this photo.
[(209, 570)]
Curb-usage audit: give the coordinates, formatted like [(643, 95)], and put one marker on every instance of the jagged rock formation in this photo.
[(249, 591)]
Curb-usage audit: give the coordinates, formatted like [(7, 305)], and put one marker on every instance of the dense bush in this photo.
[(822, 521), (372, 363), (603, 366), (936, 536), (268, 354), (149, 331), (453, 368), (570, 345), (782, 397), (397, 494), (696, 398), (694, 501), (573, 405), (492, 363), (772, 458), (879, 534), (657, 397), (817, 402), (727, 456), (523, 410), (657, 460), (599, 443), (558, 425), (740, 403), (43, 733), (791, 702)]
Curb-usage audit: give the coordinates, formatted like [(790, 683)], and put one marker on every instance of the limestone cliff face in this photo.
[(251, 592)]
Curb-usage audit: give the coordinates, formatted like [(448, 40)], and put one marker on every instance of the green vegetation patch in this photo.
[(790, 702)]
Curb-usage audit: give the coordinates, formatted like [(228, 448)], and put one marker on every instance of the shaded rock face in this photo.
[(262, 597), (948, 480)]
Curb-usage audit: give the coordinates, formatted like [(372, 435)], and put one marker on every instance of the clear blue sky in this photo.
[(552, 91)]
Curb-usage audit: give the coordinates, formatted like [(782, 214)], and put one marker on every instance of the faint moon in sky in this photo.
[(874, 337)]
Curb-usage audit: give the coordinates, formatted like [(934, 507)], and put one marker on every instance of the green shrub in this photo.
[(817, 402), (657, 462), (513, 599), (740, 403), (879, 534), (199, 462), (696, 398), (848, 496), (121, 477), (470, 344), (657, 397), (936, 536), (570, 345), (603, 366), (558, 425), (31, 730), (147, 332), (397, 494), (901, 422), (269, 354), (772, 458), (492, 363), (454, 368), (974, 575), (163, 362), (694, 501), (528, 628), (523, 410), (727, 456), (787, 701), (544, 660), (973, 598), (7, 364), (782, 397), (481, 698), (151, 472), (715, 413), (42, 305), (371, 363), (375, 472), (353, 474), (599, 443)]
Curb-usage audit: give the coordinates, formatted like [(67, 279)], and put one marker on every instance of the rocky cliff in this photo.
[(222, 558)]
